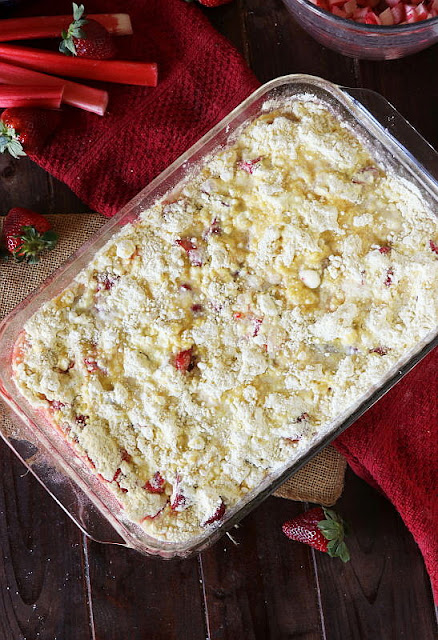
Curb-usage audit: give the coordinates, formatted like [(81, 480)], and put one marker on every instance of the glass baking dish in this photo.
[(48, 456)]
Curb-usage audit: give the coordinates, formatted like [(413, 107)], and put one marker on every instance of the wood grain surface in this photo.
[(57, 585)]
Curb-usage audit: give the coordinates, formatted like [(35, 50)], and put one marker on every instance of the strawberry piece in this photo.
[(91, 365), (257, 324), (125, 456), (25, 130), (56, 404), (433, 246), (106, 281), (213, 229), (382, 351), (155, 484), (26, 235), (248, 165), (320, 528), (184, 360), (217, 515), (186, 287), (86, 38), (385, 249), (197, 308), (116, 475), (178, 501), (389, 274), (192, 251), (81, 420)]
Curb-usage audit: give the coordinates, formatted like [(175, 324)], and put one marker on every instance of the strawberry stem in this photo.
[(9, 141), (33, 243), (334, 529), (67, 45)]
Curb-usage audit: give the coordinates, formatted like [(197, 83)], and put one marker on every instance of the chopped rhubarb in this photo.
[(386, 17), (398, 13), (155, 484), (120, 71), (119, 24), (380, 12), (116, 475), (385, 249), (217, 515), (77, 95), (184, 360), (45, 97)]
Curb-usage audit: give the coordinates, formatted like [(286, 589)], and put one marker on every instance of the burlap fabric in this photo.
[(320, 481)]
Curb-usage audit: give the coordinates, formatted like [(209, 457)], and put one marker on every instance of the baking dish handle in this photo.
[(398, 127)]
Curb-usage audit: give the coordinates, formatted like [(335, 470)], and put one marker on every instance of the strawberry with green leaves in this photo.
[(320, 528), (26, 234), (25, 129), (86, 38)]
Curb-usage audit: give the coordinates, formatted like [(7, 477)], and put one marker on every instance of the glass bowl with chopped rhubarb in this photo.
[(369, 29)]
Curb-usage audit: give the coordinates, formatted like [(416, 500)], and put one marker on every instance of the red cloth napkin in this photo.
[(394, 447), (106, 161)]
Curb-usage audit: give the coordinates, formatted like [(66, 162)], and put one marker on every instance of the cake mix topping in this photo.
[(208, 343)]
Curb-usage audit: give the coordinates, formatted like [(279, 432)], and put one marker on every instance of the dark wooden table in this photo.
[(57, 585)]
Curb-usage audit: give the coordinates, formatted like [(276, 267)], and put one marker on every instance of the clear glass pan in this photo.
[(47, 455)]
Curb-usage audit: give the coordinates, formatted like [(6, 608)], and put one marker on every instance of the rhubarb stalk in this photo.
[(118, 24), (120, 71), (45, 97), (77, 95)]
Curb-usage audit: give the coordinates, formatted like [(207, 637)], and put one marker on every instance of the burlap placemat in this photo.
[(320, 481)]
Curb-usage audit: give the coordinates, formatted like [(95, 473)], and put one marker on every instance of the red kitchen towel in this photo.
[(107, 160), (394, 447)]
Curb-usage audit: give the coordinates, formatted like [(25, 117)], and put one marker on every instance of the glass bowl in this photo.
[(357, 40)]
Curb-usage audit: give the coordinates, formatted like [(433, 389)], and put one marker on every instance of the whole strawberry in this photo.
[(86, 38), (26, 234), (25, 129), (322, 529)]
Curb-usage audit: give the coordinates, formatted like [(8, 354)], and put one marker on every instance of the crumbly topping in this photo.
[(207, 343)]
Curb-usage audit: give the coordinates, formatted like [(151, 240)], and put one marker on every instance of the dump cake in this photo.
[(209, 341)]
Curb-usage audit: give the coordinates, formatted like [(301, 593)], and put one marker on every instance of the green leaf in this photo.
[(78, 11), (70, 47), (15, 149), (343, 552)]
